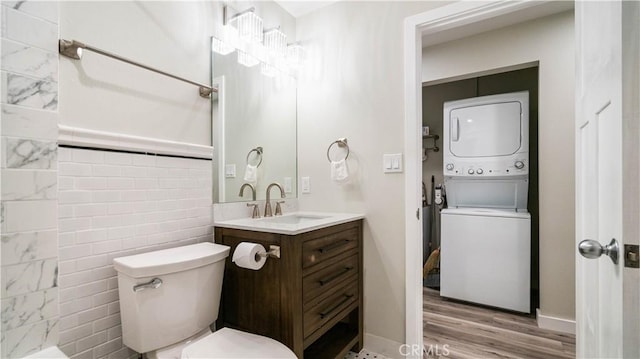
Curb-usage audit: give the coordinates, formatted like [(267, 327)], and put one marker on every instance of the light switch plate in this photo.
[(287, 185), (306, 185), (392, 162), (230, 171)]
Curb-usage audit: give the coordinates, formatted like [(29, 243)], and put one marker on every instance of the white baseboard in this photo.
[(555, 324), (383, 346)]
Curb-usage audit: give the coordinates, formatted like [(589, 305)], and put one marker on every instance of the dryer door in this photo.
[(486, 130)]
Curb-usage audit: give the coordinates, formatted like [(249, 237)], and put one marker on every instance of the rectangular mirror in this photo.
[(254, 124)]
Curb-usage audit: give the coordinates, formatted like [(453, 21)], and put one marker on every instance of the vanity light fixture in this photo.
[(295, 55), (275, 44), (244, 33)]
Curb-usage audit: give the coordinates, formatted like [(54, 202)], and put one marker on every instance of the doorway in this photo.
[(448, 23), (499, 81)]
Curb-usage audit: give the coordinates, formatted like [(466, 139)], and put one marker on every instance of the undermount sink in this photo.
[(293, 218)]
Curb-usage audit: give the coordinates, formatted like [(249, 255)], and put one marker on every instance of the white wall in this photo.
[(550, 41), (100, 93), (353, 87)]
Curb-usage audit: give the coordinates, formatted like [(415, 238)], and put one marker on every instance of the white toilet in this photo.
[(168, 299)]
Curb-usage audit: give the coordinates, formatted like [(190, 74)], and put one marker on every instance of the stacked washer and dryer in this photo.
[(486, 229)]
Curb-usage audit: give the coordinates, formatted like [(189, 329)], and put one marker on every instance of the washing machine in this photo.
[(485, 257), (486, 240)]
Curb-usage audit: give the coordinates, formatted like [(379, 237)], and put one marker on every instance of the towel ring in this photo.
[(258, 151), (341, 142)]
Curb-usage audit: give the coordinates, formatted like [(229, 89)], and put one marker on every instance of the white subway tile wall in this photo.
[(28, 167), (112, 205)]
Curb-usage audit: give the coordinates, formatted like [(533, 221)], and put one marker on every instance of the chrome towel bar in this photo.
[(73, 49)]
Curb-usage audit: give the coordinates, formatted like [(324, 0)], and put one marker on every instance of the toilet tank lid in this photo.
[(170, 260)]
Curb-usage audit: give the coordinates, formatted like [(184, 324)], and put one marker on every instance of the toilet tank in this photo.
[(186, 301)]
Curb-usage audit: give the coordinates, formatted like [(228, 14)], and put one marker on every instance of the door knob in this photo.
[(593, 249)]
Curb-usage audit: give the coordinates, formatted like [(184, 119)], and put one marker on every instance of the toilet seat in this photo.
[(231, 343)]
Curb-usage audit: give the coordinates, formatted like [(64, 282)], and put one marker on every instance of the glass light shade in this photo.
[(247, 59), (221, 47), (249, 27), (268, 70), (276, 42), (258, 51), (225, 40), (295, 55)]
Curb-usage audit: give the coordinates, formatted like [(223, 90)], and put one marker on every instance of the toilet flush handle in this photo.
[(154, 283)]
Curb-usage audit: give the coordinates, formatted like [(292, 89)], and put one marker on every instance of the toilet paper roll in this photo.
[(246, 255)]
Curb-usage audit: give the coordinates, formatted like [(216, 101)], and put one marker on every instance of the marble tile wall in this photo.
[(112, 205), (28, 170)]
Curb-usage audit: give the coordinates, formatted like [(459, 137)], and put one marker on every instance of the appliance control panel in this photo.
[(500, 168)]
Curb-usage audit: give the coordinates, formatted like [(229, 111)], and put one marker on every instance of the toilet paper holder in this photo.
[(274, 252)]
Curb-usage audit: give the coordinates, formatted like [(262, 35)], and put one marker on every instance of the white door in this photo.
[(601, 158)]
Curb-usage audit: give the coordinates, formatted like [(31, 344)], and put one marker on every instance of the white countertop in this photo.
[(312, 221)]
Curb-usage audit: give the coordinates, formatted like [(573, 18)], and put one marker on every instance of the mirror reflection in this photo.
[(254, 124)]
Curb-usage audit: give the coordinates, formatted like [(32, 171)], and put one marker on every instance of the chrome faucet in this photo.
[(253, 190), (267, 205), (256, 211)]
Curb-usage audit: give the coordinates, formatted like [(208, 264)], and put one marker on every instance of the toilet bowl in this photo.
[(170, 297), (231, 343), (224, 343)]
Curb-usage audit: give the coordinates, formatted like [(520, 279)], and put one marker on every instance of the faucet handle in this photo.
[(278, 208), (256, 210)]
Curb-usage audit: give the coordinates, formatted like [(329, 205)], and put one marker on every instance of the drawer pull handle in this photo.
[(334, 276), (333, 246), (329, 311)]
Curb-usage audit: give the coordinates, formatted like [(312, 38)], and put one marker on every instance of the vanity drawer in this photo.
[(323, 311), (326, 279), (317, 249)]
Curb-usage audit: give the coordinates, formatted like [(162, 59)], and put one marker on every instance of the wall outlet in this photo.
[(392, 163), (230, 171), (306, 186), (287, 185)]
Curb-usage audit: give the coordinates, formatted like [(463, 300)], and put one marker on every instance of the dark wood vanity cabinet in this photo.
[(310, 298)]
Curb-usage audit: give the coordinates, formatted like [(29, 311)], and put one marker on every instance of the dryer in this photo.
[(486, 238), (486, 151)]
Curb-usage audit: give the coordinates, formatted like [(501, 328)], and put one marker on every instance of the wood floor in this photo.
[(457, 330)]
